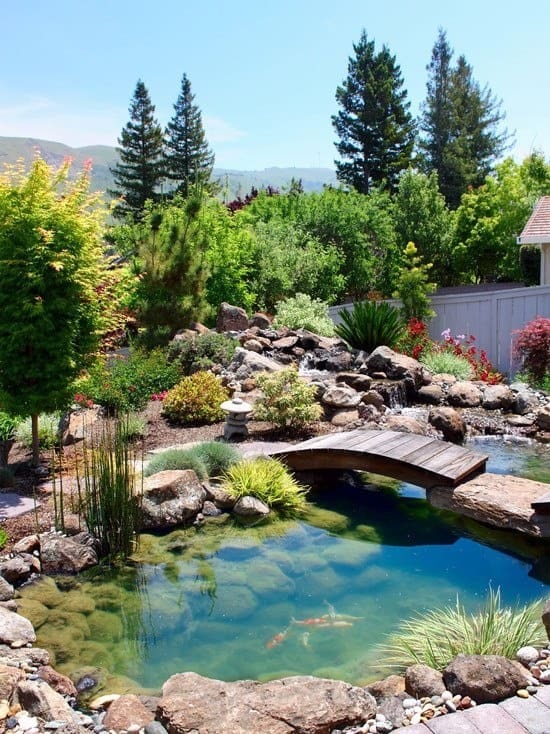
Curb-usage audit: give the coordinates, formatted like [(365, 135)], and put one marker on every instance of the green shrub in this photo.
[(174, 459), (48, 430), (131, 427), (3, 538), (7, 478), (202, 351), (449, 363), (109, 504), (268, 480), (413, 286), (123, 384), (434, 638), (196, 400), (370, 324), (304, 312), (8, 426), (288, 401), (217, 456)]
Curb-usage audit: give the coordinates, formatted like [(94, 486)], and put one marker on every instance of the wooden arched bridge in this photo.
[(427, 462)]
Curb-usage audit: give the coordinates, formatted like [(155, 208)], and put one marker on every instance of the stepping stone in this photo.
[(13, 504), (532, 714), (490, 717)]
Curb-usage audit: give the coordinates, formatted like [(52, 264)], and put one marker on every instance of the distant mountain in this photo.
[(234, 183)]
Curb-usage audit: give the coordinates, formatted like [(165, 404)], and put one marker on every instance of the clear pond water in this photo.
[(260, 603)]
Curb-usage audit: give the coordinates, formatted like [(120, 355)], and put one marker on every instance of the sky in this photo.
[(264, 74)]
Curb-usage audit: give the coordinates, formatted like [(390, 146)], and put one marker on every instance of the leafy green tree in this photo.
[(421, 215), (375, 128), (173, 269), (413, 286), (188, 159), (461, 135), (50, 264), (490, 218), (139, 173)]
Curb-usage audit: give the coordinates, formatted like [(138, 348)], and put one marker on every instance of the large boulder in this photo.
[(421, 680), (171, 498), (395, 366), (231, 318), (249, 506), (125, 712), (464, 394), (341, 396), (6, 590), (295, 705), (543, 418), (15, 629), (78, 424), (69, 555), (246, 363), (20, 568), (449, 422), (484, 678), (497, 397), (38, 699), (9, 678)]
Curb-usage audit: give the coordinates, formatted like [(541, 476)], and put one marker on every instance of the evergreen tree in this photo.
[(375, 128), (140, 170), (461, 139), (188, 159)]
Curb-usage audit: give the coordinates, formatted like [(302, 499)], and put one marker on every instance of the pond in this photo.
[(316, 597)]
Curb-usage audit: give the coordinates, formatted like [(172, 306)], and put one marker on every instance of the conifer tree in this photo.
[(139, 173), (374, 125), (188, 159), (460, 124)]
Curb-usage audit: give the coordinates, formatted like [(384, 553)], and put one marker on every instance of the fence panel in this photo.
[(491, 316)]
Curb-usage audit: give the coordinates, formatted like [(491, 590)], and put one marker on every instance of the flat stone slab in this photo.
[(13, 504), (531, 713), (493, 717), (496, 499)]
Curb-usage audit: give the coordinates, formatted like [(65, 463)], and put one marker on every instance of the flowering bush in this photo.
[(417, 343), (83, 400), (532, 344), (196, 400)]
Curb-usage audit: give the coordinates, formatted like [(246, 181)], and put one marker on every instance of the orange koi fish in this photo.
[(279, 637), (310, 621)]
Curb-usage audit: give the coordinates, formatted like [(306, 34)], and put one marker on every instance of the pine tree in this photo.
[(461, 139), (188, 159), (139, 173), (375, 128)]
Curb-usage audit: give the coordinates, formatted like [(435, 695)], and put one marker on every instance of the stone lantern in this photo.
[(237, 416)]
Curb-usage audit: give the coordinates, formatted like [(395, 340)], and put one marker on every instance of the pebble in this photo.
[(446, 696), (4, 710), (11, 723), (532, 689), (522, 693), (133, 728), (545, 676), (409, 703), (451, 706), (527, 655), (54, 724)]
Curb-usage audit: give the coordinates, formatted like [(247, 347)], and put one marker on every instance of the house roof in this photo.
[(537, 229)]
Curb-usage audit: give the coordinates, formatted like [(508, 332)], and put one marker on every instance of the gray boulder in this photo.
[(171, 498), (78, 424), (67, 555), (395, 366), (6, 590), (246, 363), (464, 394), (431, 394), (250, 507), (295, 705), (525, 401), (15, 629), (355, 380), (18, 569), (497, 397), (421, 680), (485, 678), (341, 397), (38, 699)]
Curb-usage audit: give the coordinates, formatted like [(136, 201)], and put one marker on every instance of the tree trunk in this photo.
[(35, 450)]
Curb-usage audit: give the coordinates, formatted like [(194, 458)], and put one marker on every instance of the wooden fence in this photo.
[(491, 316)]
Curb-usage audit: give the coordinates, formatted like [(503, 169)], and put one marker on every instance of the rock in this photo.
[(464, 394), (285, 344), (38, 699), (371, 397), (496, 499), (78, 424), (171, 498), (18, 569), (9, 678), (6, 590), (344, 418), (391, 708), (288, 706), (354, 380), (308, 340), (527, 655), (449, 422), (546, 617), (524, 401), (28, 544), (430, 394), (421, 680), (250, 507), (125, 711), (155, 727), (497, 397), (338, 360), (406, 424), (261, 320), (393, 685), (27, 656), (219, 496), (15, 628), (253, 345), (101, 702), (231, 318), (543, 418), (67, 555), (246, 363), (341, 397), (395, 366), (485, 678), (59, 682)]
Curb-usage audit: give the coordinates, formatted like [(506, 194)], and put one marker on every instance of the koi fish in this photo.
[(275, 641), (305, 639), (334, 623), (310, 621)]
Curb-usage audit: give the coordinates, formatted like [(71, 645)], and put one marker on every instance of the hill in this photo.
[(234, 183)]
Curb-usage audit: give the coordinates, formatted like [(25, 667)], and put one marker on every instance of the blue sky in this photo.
[(264, 74)]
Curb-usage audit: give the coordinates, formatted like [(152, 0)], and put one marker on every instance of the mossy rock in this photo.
[(235, 602), (78, 601), (267, 578), (372, 576), (329, 520), (60, 643), (311, 561), (122, 684), (45, 591), (283, 559), (108, 597), (95, 654), (350, 554), (242, 546), (105, 626), (60, 619), (33, 610), (323, 582), (368, 533)]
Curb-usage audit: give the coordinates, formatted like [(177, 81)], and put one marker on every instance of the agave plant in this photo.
[(370, 324)]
